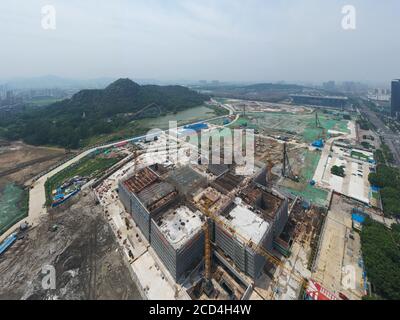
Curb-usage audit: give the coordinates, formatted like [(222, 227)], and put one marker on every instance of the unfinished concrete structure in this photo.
[(178, 238), (218, 169), (172, 226), (187, 180), (211, 201), (172, 220), (270, 205), (228, 283), (242, 230), (237, 230), (238, 236), (227, 182), (144, 195)]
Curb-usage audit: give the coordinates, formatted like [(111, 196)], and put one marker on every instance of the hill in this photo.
[(98, 111)]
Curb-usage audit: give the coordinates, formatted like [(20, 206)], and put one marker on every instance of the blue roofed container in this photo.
[(196, 126), (7, 243), (318, 143)]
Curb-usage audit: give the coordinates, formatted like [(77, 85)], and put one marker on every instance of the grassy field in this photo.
[(312, 194), (328, 122), (303, 188), (142, 126), (301, 123), (40, 102), (14, 205), (91, 166)]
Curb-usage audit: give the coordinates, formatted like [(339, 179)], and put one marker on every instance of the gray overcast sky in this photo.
[(238, 40)]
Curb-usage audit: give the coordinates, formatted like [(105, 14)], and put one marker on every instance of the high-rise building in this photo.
[(396, 98), (330, 85)]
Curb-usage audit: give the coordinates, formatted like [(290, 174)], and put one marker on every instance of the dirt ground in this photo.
[(82, 250), (340, 250), (270, 150), (27, 161)]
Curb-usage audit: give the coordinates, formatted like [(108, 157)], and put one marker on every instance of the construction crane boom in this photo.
[(207, 251)]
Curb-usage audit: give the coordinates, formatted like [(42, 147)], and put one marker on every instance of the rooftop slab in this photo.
[(180, 225), (246, 223)]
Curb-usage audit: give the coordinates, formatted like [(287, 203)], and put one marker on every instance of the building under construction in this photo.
[(178, 238), (172, 226), (173, 221), (238, 231), (238, 235), (269, 205), (144, 195)]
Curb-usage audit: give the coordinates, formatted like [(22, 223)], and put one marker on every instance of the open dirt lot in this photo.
[(20, 162), (83, 251), (340, 247)]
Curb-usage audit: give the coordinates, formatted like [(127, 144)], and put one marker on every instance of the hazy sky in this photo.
[(237, 40)]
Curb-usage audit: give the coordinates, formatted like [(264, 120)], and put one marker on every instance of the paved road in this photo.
[(392, 140)]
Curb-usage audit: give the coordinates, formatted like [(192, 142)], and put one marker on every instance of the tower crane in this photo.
[(318, 125), (287, 171)]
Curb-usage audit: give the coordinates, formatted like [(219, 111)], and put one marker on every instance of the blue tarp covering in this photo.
[(55, 204), (318, 143), (58, 196), (196, 126), (358, 218)]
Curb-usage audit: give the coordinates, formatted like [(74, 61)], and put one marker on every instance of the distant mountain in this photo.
[(126, 96), (98, 111)]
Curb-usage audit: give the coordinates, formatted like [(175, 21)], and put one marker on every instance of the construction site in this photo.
[(215, 234), (194, 230), (212, 230)]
